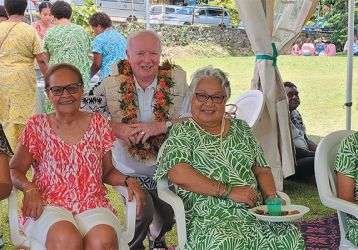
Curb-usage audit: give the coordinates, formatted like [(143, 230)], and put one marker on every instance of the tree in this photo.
[(230, 6)]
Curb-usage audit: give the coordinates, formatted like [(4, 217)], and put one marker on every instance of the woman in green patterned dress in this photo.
[(5, 153), (347, 179), (219, 167), (68, 42)]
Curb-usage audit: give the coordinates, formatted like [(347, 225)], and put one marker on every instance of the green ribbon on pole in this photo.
[(272, 58)]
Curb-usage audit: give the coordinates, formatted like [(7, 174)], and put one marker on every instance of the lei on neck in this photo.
[(162, 101)]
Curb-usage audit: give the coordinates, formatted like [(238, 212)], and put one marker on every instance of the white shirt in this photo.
[(122, 161)]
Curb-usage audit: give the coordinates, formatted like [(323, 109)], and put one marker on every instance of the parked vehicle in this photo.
[(179, 15)]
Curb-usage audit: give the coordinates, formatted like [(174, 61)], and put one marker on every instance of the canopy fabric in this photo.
[(276, 22)]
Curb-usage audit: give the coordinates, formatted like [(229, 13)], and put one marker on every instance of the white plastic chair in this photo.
[(325, 178), (249, 106), (19, 239)]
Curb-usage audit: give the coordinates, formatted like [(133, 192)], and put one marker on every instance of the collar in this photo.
[(152, 86)]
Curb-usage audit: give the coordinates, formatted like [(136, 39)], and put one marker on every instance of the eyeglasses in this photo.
[(214, 98), (72, 88)]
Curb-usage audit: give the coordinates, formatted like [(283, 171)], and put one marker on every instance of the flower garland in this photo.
[(162, 100)]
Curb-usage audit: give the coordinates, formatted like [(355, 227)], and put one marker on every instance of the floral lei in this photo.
[(163, 99)]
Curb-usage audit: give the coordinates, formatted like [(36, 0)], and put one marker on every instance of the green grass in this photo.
[(321, 82)]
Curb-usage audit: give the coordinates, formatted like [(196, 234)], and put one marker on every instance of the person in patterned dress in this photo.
[(219, 169), (108, 47), (65, 204), (347, 179), (68, 42), (5, 153)]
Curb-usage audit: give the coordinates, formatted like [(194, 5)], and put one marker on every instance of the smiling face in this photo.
[(46, 16), (65, 102), (211, 111), (144, 57), (293, 97)]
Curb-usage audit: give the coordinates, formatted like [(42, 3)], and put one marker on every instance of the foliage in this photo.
[(231, 7), (82, 13), (337, 20)]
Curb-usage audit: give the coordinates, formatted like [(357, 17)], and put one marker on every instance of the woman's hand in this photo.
[(244, 194), (33, 203), (135, 189)]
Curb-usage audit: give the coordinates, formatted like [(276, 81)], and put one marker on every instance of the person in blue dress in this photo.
[(108, 47)]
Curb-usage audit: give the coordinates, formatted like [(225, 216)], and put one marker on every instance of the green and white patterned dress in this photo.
[(347, 164), (215, 223), (70, 44)]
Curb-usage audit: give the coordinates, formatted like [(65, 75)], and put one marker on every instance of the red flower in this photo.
[(159, 95), (163, 84)]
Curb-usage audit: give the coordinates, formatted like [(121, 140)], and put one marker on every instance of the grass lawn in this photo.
[(321, 82)]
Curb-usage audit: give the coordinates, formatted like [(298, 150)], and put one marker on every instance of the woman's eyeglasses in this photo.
[(72, 88), (201, 97)]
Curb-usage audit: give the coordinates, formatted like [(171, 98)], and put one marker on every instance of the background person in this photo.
[(347, 180), (304, 148), (68, 42), (65, 206), (108, 47), (219, 169), (308, 48), (20, 46), (3, 14), (46, 19)]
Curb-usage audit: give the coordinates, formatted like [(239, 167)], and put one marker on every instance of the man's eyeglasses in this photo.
[(201, 97), (72, 88)]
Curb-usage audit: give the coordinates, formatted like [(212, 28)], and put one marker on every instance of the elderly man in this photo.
[(304, 148), (143, 100)]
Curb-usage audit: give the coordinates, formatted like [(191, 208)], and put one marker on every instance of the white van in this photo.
[(180, 15)]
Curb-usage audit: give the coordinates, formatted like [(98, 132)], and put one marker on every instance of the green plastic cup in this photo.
[(274, 206)]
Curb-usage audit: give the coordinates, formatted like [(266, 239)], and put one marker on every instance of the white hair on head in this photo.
[(206, 72), (136, 34)]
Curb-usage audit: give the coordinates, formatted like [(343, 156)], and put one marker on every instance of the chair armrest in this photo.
[(176, 203), (341, 205), (130, 213), (16, 236), (284, 197)]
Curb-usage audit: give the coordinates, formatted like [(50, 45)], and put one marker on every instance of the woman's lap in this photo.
[(83, 222)]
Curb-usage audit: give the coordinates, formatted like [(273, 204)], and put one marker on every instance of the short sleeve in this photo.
[(176, 149), (107, 137), (258, 153), (30, 138), (37, 46), (347, 157), (95, 100), (97, 45), (4, 144)]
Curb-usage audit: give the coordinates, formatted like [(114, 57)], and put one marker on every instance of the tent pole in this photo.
[(349, 64), (147, 10)]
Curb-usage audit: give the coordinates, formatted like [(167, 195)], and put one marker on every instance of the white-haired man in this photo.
[(143, 99)]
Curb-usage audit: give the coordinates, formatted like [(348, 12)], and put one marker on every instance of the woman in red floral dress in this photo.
[(70, 152)]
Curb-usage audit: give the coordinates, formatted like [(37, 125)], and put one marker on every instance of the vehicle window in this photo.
[(214, 12), (169, 10), (185, 11), (156, 10), (202, 13)]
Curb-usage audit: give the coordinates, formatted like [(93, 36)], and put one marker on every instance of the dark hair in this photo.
[(15, 7), (101, 19), (45, 5), (59, 66), (3, 12), (289, 85), (61, 9)]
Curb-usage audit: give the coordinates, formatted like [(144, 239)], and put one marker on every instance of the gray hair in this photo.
[(206, 72), (134, 35)]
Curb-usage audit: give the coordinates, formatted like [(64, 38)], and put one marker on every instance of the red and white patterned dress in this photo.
[(69, 176)]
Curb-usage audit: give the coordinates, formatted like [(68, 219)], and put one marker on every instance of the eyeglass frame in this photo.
[(63, 88), (210, 97)]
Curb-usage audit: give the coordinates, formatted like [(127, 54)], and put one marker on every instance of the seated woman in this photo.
[(5, 153), (218, 166), (347, 179), (64, 206)]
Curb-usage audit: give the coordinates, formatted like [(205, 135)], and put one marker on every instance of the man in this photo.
[(142, 102), (304, 148)]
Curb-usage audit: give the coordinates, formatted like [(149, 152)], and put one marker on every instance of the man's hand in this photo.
[(243, 194), (148, 129), (33, 205), (124, 131), (135, 189)]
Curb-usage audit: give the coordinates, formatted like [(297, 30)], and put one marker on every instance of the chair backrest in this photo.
[(249, 106), (324, 171)]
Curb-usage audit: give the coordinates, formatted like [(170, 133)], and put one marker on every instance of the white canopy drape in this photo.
[(271, 24)]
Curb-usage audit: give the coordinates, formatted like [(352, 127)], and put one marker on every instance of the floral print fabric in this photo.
[(347, 164), (212, 222), (69, 176)]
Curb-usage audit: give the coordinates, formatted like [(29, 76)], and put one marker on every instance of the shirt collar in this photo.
[(152, 86)]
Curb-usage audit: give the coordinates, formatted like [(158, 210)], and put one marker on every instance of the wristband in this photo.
[(125, 180)]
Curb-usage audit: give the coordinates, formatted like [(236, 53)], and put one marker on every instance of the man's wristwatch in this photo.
[(168, 125)]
